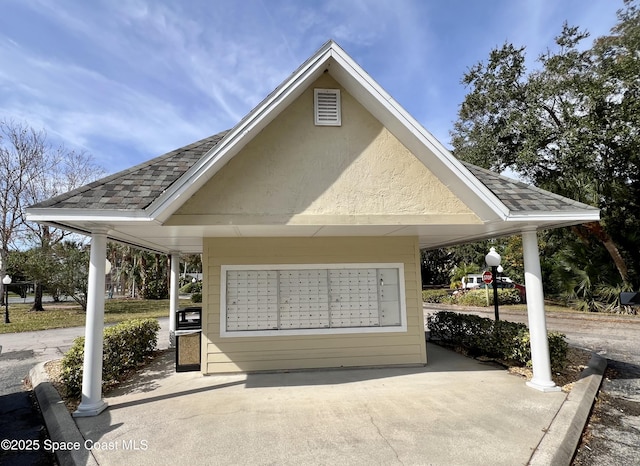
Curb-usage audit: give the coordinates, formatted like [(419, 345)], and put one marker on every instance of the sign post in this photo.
[(486, 279)]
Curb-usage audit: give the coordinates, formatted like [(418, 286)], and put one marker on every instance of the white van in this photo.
[(474, 280)]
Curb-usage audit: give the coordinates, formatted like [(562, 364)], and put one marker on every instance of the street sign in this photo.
[(487, 277)]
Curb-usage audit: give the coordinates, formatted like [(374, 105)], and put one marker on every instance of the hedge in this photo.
[(436, 296), (125, 346), (471, 297), (480, 336)]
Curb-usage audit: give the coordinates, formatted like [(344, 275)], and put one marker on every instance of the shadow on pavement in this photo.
[(22, 426)]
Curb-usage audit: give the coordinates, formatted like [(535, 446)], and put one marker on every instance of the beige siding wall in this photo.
[(294, 172), (310, 351)]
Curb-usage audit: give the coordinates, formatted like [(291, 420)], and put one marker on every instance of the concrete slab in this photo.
[(454, 411)]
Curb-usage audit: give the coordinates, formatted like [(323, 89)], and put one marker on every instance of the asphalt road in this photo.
[(20, 418), (612, 436)]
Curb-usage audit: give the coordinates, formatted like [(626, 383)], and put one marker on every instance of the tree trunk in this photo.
[(37, 298), (595, 228)]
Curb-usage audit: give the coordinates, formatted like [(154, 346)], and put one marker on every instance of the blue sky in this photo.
[(130, 80)]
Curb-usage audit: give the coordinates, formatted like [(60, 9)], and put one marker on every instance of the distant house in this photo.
[(310, 215)]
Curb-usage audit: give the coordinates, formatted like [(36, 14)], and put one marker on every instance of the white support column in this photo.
[(92, 403), (535, 309), (174, 292)]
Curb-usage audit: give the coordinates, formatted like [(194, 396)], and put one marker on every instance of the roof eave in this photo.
[(106, 216), (562, 216)]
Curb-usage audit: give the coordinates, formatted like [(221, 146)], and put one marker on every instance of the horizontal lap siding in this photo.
[(311, 351)]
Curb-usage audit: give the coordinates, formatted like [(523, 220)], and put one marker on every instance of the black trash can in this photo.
[(188, 339)]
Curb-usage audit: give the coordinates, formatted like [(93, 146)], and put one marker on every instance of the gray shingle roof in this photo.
[(522, 197), (136, 187)]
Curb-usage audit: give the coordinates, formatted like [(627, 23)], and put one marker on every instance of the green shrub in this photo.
[(156, 289), (196, 298), (558, 348), (508, 296), (191, 288), (479, 297), (480, 336), (72, 362), (126, 345), (473, 298), (435, 296)]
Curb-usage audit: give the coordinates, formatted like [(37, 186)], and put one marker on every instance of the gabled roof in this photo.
[(135, 203), (521, 198), (137, 187)]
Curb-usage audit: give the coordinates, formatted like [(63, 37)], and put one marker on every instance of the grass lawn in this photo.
[(70, 314)]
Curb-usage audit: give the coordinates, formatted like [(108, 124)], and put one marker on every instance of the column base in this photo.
[(544, 387), (89, 410)]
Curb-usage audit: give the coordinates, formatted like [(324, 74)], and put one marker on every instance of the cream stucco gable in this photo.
[(294, 172)]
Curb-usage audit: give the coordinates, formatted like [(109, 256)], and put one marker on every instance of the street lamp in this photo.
[(493, 260), (6, 281)]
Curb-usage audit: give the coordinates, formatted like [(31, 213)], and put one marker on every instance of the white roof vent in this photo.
[(327, 107)]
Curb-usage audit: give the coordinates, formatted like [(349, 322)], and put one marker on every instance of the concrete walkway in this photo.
[(454, 411)]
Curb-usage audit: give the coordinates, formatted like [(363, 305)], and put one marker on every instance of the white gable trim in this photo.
[(578, 216), (415, 137), (356, 81)]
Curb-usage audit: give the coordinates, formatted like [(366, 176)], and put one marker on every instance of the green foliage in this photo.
[(191, 288), (126, 345), (435, 296), (460, 271), (154, 276), (474, 298), (469, 255), (71, 276), (569, 127), (156, 288), (72, 363), (62, 269), (436, 265), (480, 336), (479, 297), (196, 298)]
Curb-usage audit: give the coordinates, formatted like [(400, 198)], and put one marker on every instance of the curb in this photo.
[(62, 428), (559, 443)]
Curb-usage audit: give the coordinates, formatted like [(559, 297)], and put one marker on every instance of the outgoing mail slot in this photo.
[(188, 339)]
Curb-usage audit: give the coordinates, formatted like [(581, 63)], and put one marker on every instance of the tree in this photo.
[(154, 276), (71, 276), (571, 127), (22, 156), (192, 264), (32, 170), (435, 266)]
